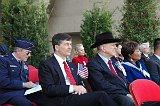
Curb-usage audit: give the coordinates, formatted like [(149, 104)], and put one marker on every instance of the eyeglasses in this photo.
[(29, 52)]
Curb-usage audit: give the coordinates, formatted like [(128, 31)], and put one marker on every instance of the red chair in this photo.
[(33, 76), (33, 104), (7, 105), (143, 90)]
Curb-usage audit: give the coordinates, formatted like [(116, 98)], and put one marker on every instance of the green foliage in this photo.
[(24, 19), (140, 22), (96, 21), (50, 6)]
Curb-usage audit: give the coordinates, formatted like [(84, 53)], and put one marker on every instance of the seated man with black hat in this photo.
[(104, 75), (14, 76)]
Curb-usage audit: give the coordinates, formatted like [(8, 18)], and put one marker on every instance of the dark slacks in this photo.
[(98, 98), (151, 104), (37, 97), (122, 100), (20, 101)]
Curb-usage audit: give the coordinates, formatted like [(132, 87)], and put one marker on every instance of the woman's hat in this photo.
[(104, 38)]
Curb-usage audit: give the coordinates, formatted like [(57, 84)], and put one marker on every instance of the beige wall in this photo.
[(67, 16)]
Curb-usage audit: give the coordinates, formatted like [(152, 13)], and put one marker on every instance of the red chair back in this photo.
[(33, 104), (143, 90), (7, 105), (33, 74)]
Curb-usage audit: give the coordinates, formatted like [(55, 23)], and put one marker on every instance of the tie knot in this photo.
[(64, 62), (20, 62), (69, 74), (109, 62)]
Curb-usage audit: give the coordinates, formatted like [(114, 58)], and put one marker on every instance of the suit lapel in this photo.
[(59, 71), (156, 60), (73, 70), (106, 68), (146, 58), (102, 63), (57, 68)]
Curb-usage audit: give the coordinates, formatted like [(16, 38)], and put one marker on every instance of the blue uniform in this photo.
[(134, 72), (12, 76)]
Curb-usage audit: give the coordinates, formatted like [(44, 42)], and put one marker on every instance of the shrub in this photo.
[(24, 19)]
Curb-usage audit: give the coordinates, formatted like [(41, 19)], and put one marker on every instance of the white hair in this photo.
[(143, 45), (77, 46), (17, 49)]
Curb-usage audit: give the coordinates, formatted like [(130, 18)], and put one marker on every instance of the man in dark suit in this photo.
[(118, 55), (145, 50), (104, 75), (153, 65), (14, 75), (60, 82)]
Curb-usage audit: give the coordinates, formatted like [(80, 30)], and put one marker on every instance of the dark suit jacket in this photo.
[(101, 78), (144, 58), (153, 66), (53, 82), (10, 79)]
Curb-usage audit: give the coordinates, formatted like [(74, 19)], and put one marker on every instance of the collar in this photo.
[(104, 58), (80, 55), (157, 56), (59, 59), (146, 55), (14, 55)]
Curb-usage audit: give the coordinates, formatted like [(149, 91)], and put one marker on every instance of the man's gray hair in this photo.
[(143, 45), (17, 49)]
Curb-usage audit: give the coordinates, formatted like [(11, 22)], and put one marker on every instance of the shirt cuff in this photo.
[(71, 89)]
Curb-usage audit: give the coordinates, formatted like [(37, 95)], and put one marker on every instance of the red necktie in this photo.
[(113, 70), (69, 74)]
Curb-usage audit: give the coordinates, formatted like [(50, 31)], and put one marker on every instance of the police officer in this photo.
[(14, 74)]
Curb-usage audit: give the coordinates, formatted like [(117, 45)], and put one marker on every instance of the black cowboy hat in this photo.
[(104, 38)]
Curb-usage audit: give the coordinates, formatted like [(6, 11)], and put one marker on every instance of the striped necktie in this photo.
[(113, 70)]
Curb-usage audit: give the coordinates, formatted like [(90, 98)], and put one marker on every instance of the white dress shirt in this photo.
[(60, 61)]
